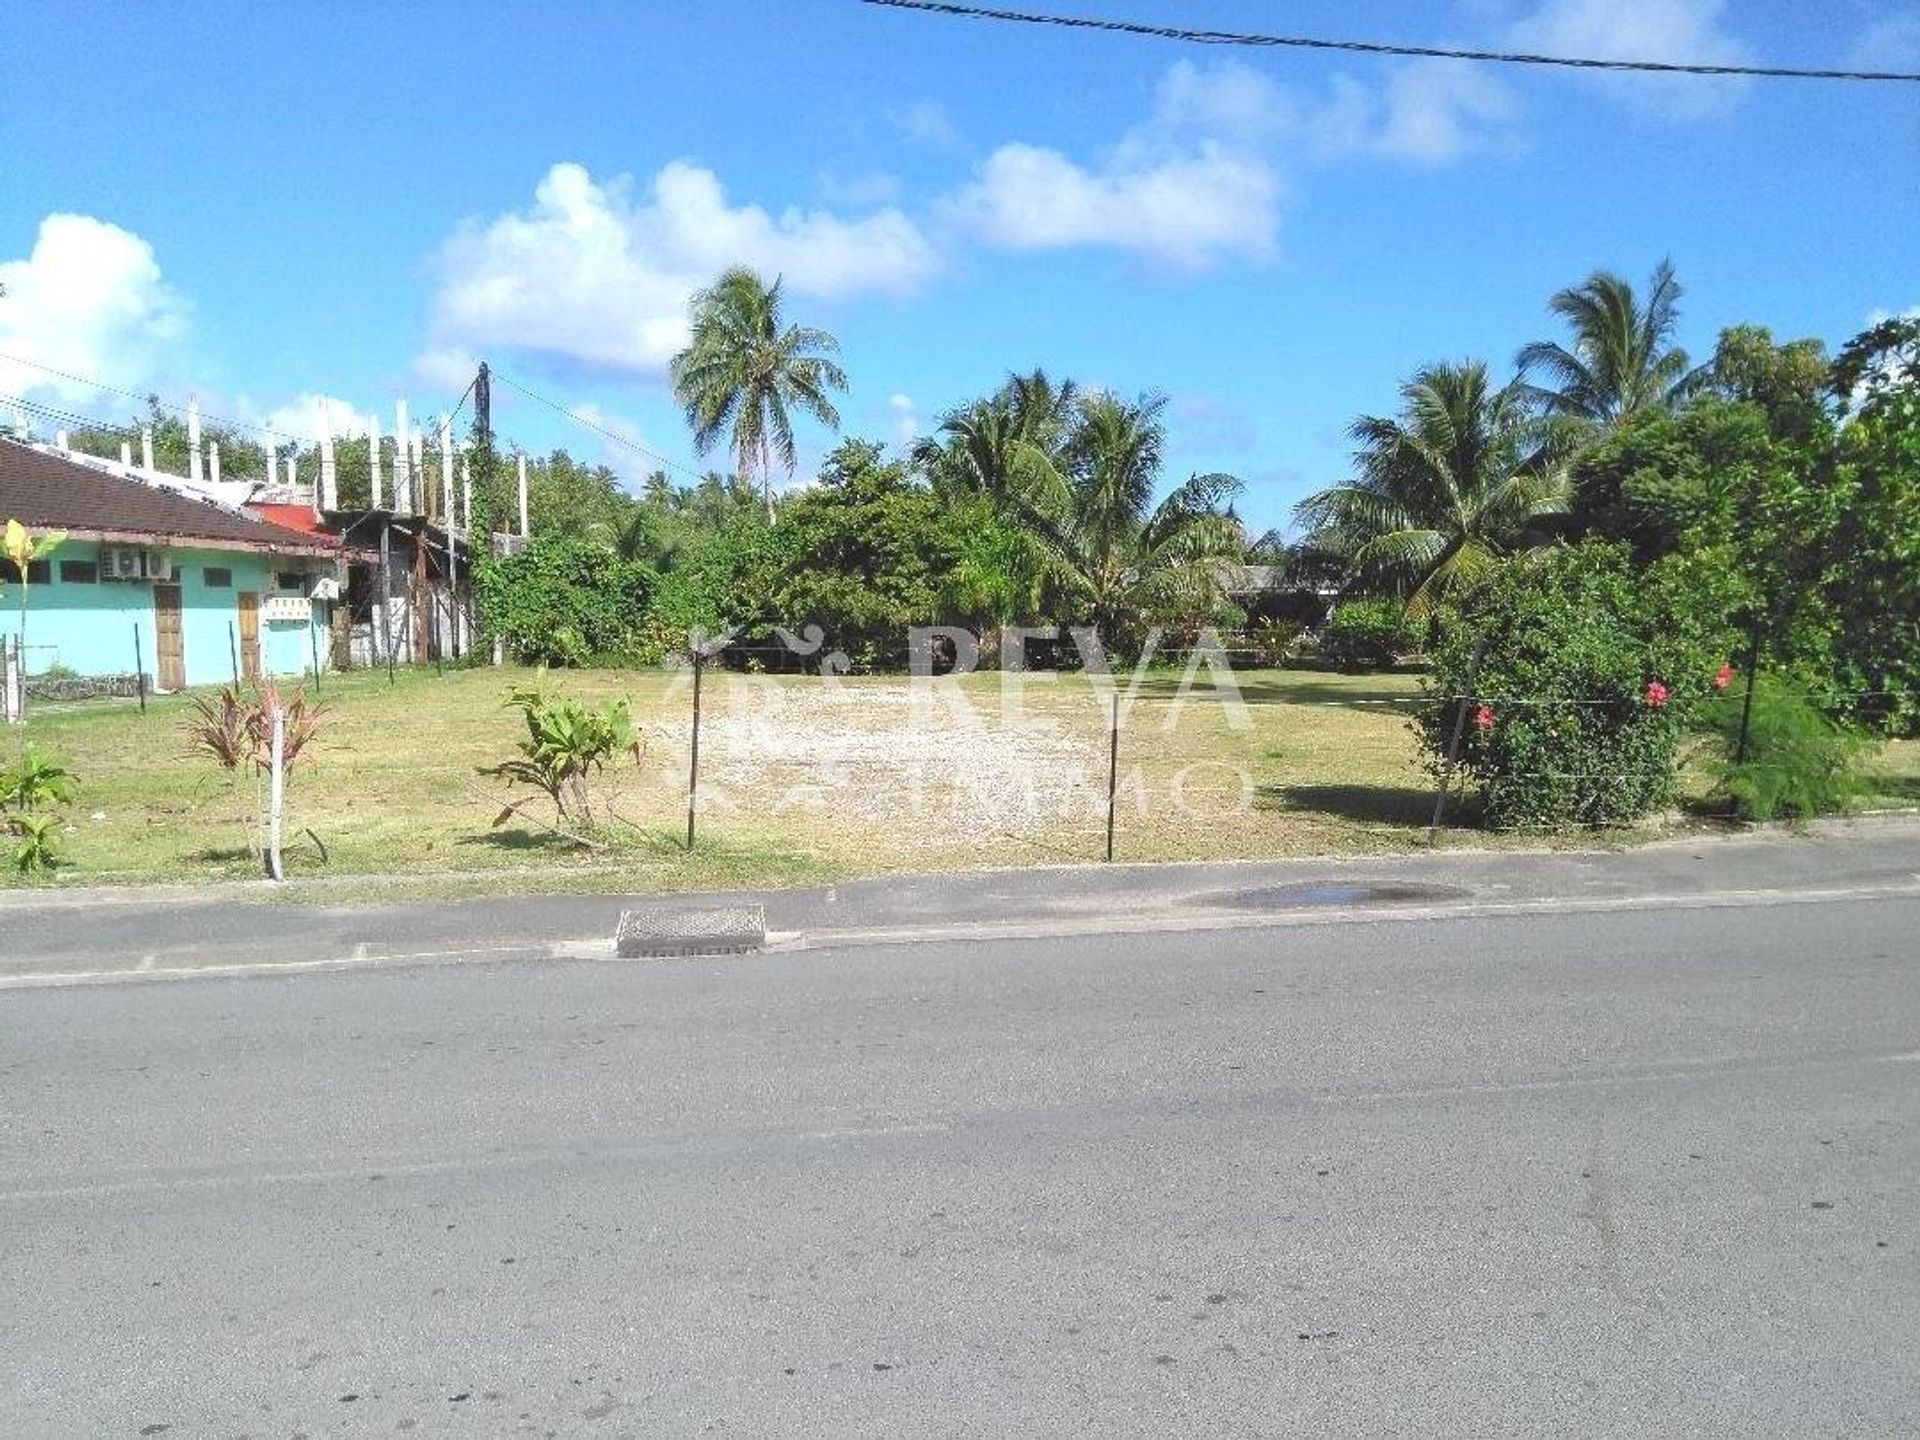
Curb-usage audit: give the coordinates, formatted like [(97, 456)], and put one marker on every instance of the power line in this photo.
[(577, 419), (178, 409), (1376, 47)]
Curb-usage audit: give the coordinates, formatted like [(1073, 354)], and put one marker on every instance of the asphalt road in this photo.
[(1615, 1172)]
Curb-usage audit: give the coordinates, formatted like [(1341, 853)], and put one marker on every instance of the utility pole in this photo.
[(483, 409)]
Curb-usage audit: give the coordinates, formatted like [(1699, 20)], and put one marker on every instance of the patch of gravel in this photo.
[(930, 768)]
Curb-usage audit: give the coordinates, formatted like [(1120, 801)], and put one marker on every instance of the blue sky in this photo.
[(266, 204)]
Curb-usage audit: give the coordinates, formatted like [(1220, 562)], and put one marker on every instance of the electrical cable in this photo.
[(1375, 47)]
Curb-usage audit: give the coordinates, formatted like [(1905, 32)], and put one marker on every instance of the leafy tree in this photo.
[(564, 600), (1622, 359), (746, 370), (871, 555), (1589, 669), (1114, 556), (1464, 476), (1874, 588)]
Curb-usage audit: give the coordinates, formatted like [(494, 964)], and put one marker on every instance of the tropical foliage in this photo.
[(565, 745), (746, 371), (1464, 475), (1621, 359)]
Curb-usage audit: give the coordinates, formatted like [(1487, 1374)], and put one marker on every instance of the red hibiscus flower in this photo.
[(1723, 677), (1483, 717), (1656, 695)]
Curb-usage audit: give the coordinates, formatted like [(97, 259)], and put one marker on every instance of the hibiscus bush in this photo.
[(1588, 674), (1364, 635)]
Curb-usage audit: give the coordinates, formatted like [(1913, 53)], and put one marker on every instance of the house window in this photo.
[(290, 580), (79, 572), (39, 572), (218, 577)]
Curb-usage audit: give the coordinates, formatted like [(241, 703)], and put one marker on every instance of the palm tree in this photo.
[(1462, 477), (1110, 548), (1622, 359), (745, 371)]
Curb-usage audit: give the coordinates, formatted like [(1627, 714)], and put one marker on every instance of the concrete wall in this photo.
[(89, 629)]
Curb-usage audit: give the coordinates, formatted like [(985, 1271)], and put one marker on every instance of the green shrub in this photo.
[(565, 601), (29, 790), (1271, 640), (1584, 685), (1366, 635), (1798, 762), (566, 743)]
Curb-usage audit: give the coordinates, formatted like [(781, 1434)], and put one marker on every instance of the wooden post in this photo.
[(139, 669), (1453, 745), (693, 763), (448, 520), (313, 651), (276, 790), (13, 687), (233, 652), (1113, 769)]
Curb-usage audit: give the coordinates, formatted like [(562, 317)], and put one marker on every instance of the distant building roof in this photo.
[(45, 489)]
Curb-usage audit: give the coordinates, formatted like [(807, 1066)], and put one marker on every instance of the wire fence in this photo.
[(1081, 766)]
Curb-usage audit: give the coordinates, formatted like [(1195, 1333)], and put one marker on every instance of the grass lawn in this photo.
[(803, 780)]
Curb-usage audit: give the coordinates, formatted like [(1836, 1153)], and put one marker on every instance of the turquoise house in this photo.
[(157, 582)]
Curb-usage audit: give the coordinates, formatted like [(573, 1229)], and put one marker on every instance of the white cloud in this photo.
[(1672, 31), (629, 464), (304, 417), (905, 417), (599, 276), (1187, 210), (88, 300), (926, 121), (1429, 112), (1188, 187), (1200, 179), (1889, 44), (1227, 100)]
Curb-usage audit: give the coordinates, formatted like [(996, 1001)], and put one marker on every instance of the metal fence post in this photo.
[(1453, 745), (1113, 769), (233, 653), (693, 763), (1746, 706), (139, 669)]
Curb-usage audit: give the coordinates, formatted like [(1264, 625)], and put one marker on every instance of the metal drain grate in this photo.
[(1331, 893), (671, 930)]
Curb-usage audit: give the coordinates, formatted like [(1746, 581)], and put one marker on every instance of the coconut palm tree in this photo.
[(1114, 553), (746, 370), (1463, 476), (981, 445), (1622, 359)]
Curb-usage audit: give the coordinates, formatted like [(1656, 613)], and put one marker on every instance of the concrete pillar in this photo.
[(374, 499), (194, 470)]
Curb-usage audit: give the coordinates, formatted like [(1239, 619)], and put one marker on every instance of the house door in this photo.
[(169, 648), (250, 635)]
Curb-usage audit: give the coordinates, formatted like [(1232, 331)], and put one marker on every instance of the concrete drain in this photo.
[(1310, 894), (672, 930)]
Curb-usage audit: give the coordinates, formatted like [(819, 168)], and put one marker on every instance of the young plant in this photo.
[(1798, 763), (235, 731), (565, 743), (23, 547), (34, 785)]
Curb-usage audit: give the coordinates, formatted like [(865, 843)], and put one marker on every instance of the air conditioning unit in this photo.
[(122, 562), (324, 587), (129, 562)]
